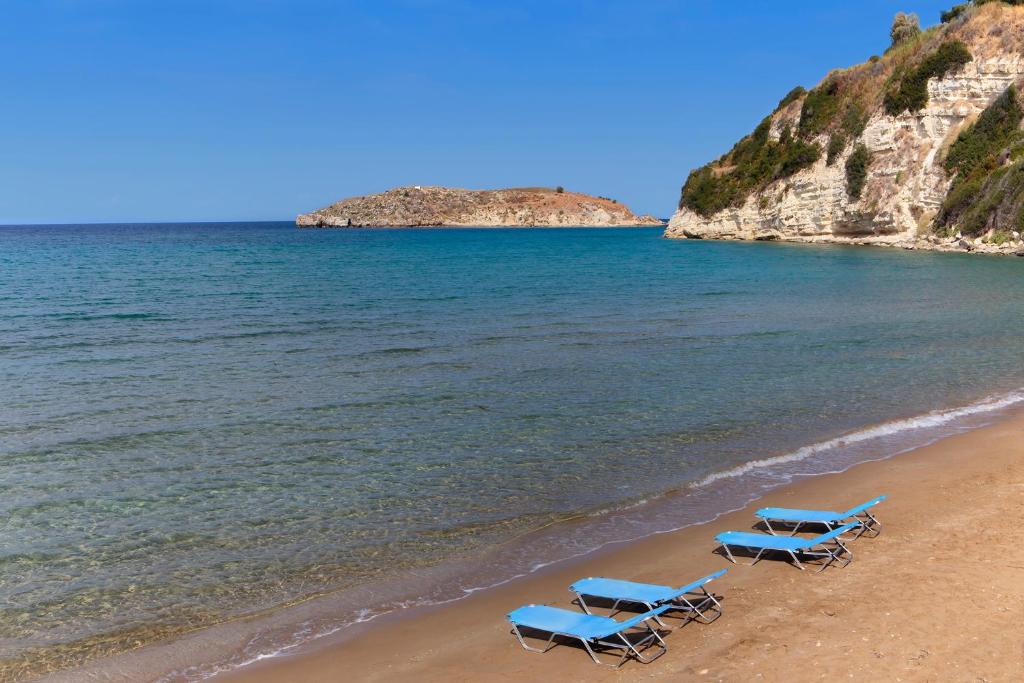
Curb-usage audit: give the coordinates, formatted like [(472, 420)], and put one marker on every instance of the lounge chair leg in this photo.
[(732, 559), (831, 558), (795, 560), (692, 612), (662, 647), (656, 618), (550, 644), (716, 607), (846, 551), (697, 611), (835, 555), (583, 605), (593, 656), (661, 641), (629, 649)]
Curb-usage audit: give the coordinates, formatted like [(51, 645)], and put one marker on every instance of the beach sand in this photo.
[(938, 596)]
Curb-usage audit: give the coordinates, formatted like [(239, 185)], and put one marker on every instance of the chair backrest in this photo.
[(863, 506), (700, 582), (833, 534)]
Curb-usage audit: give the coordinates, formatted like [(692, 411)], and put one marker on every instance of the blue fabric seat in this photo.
[(767, 541), (591, 630), (827, 545), (828, 518), (701, 605)]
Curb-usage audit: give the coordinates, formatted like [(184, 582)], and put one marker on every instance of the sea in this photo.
[(204, 422)]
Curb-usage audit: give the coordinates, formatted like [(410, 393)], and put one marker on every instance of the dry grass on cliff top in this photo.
[(832, 115), (988, 31)]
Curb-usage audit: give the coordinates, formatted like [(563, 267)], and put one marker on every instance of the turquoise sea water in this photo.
[(201, 421)]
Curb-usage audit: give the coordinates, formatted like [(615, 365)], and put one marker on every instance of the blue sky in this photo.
[(146, 110)]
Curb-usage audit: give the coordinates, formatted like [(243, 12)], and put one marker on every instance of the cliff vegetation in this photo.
[(829, 116), (919, 146), (987, 163)]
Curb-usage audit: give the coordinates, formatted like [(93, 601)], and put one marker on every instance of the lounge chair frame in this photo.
[(866, 523), (816, 548), (629, 648), (702, 603)]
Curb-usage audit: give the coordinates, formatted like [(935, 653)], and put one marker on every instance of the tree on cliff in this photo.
[(904, 27)]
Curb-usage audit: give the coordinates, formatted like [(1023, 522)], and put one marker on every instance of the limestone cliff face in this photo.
[(442, 206), (907, 181)]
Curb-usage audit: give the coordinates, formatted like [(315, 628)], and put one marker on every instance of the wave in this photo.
[(622, 522), (936, 418)]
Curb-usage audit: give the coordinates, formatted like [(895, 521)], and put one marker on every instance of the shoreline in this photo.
[(468, 639), (943, 245), (312, 626)]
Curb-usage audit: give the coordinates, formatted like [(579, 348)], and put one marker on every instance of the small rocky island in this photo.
[(418, 206)]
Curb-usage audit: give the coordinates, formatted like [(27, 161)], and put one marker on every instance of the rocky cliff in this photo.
[(441, 206), (865, 157)]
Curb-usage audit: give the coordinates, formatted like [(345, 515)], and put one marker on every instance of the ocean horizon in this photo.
[(207, 421)]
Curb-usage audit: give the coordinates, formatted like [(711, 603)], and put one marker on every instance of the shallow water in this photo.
[(205, 420)]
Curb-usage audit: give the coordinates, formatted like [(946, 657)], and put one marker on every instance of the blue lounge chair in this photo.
[(827, 545), (827, 518), (593, 631), (694, 598)]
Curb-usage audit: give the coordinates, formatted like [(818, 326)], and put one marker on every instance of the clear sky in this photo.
[(147, 110)]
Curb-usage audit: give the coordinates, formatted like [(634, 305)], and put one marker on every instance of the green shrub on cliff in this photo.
[(836, 145), (753, 162), (981, 144), (792, 96), (857, 171), (854, 120), (912, 92), (797, 155), (985, 200), (954, 12), (851, 127), (820, 108), (706, 194), (984, 184)]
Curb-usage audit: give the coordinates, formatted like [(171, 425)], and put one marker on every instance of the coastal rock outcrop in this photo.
[(907, 184), (442, 206)]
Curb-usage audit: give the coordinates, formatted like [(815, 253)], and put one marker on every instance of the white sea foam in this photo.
[(303, 634), (933, 419)]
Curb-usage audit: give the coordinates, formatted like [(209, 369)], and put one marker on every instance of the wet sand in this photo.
[(938, 596)]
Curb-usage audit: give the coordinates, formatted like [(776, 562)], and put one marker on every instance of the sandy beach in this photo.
[(322, 363), (938, 596)]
